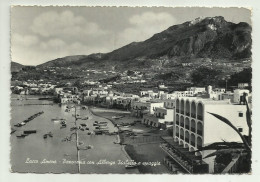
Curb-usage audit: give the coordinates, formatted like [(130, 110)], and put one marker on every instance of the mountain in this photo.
[(212, 37), (15, 67)]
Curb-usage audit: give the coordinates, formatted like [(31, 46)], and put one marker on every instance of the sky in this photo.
[(40, 34)]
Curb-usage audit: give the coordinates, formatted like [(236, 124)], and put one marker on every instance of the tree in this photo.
[(204, 76)]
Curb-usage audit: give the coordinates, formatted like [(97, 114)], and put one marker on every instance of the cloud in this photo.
[(51, 49), (143, 26), (24, 40), (53, 24)]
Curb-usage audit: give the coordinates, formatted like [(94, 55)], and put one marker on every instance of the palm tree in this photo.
[(234, 149)]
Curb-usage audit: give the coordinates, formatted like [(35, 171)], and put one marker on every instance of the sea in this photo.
[(86, 154)]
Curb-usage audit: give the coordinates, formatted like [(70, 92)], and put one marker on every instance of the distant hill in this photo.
[(15, 67), (212, 37)]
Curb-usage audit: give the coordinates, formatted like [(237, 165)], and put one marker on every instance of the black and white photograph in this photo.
[(130, 90)]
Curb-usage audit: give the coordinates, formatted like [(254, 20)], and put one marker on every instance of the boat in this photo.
[(45, 136), (84, 107), (117, 117), (73, 128), (50, 134), (22, 123), (62, 122), (29, 131), (21, 136), (85, 118), (101, 124), (84, 125), (12, 131), (18, 125)]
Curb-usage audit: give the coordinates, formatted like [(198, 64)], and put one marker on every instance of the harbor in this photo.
[(76, 155)]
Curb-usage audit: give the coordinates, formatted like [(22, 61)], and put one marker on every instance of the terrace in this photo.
[(183, 157)]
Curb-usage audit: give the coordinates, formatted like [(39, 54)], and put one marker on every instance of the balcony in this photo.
[(187, 140), (187, 114), (182, 125), (182, 137), (160, 117), (177, 110), (192, 143), (193, 115), (199, 117), (192, 129), (177, 122), (183, 158), (182, 112), (187, 127), (199, 132)]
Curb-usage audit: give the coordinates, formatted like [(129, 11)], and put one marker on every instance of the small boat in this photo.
[(102, 124), (18, 125), (84, 107), (50, 134), (21, 136), (85, 118), (12, 130), (73, 128), (45, 136), (84, 125), (63, 126), (29, 131), (117, 117)]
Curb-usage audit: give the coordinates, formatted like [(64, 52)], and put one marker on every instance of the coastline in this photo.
[(118, 136), (139, 152)]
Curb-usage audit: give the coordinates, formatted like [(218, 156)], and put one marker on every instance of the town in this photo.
[(186, 114)]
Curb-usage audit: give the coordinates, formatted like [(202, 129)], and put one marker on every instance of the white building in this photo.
[(242, 85), (162, 117), (196, 90), (238, 95), (194, 127), (141, 107)]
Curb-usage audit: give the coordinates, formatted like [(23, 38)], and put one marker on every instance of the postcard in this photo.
[(131, 90)]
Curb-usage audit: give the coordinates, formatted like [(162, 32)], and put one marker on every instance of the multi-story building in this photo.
[(194, 127), (196, 90), (162, 117), (141, 107), (184, 93)]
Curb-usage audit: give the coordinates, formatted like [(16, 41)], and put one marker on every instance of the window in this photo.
[(240, 129), (240, 114)]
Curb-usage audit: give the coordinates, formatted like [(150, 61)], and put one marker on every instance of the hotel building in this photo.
[(194, 128)]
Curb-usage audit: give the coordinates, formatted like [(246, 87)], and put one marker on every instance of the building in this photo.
[(238, 95), (183, 93), (162, 118), (242, 85), (139, 108), (194, 127), (196, 90)]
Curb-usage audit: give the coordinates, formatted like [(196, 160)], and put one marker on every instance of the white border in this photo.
[(5, 175)]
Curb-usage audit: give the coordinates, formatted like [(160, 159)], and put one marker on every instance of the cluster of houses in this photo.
[(33, 88), (186, 112)]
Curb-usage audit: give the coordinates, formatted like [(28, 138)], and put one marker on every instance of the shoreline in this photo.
[(118, 136)]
